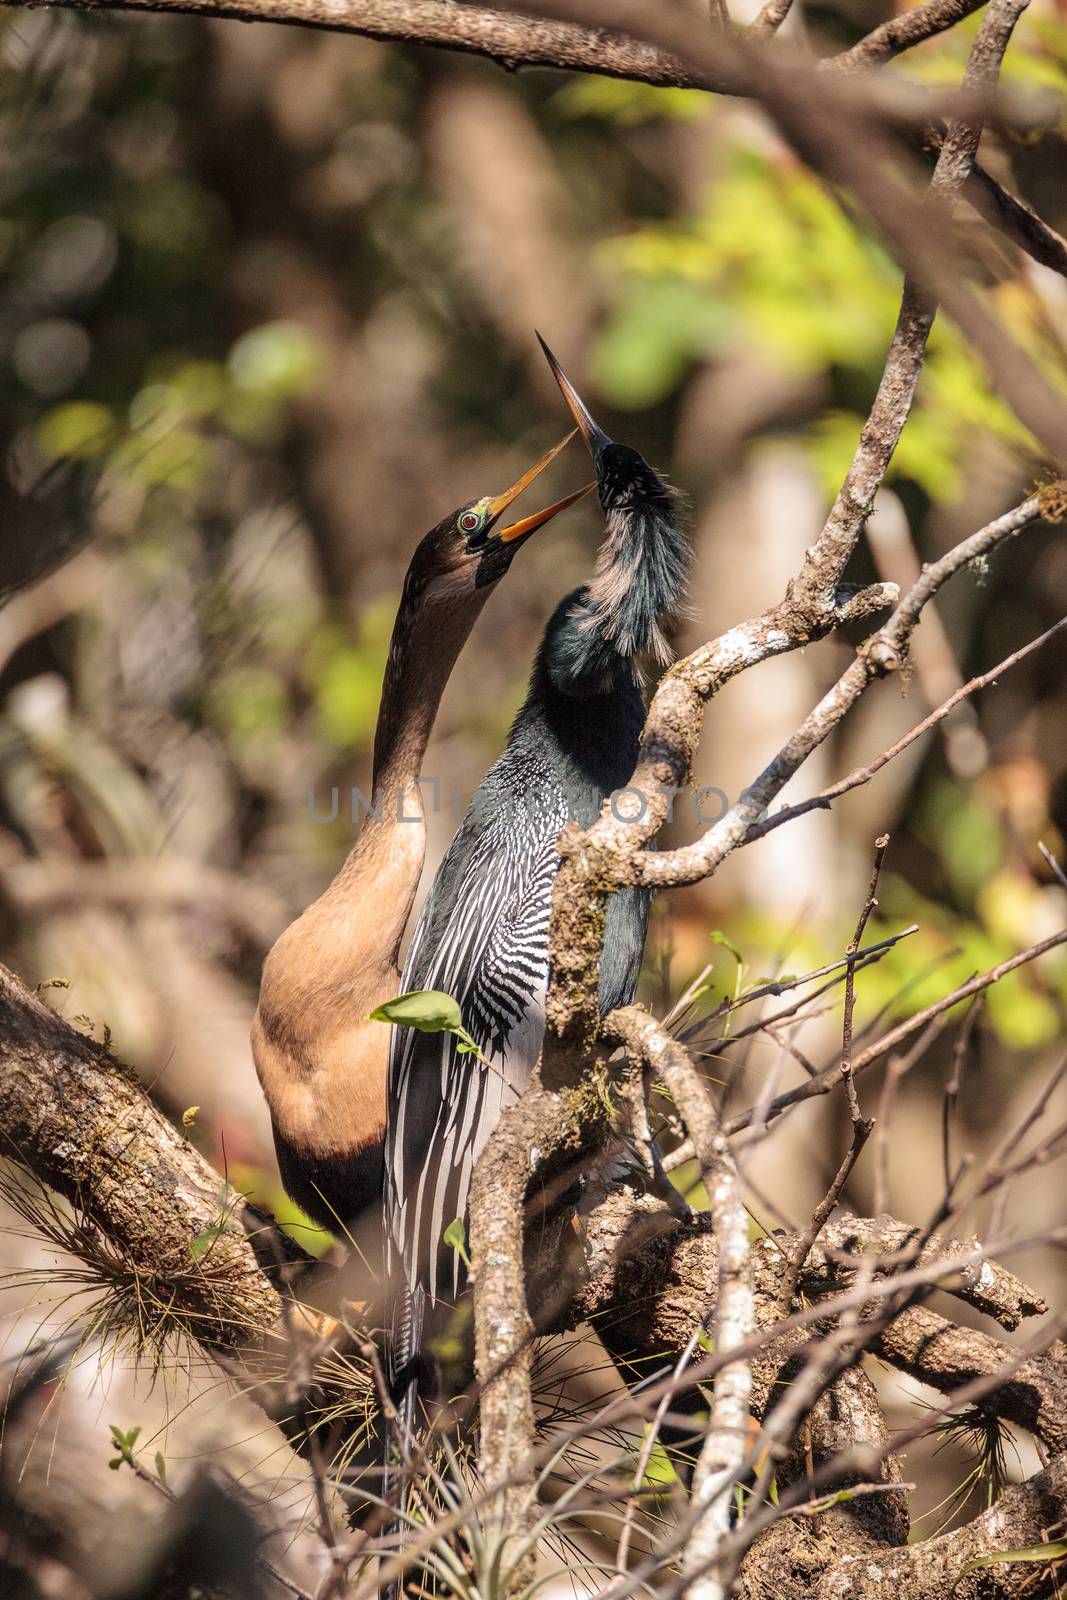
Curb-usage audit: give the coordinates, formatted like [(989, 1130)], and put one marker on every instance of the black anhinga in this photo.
[(483, 934), (321, 1061)]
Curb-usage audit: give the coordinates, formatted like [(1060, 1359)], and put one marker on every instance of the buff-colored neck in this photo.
[(322, 1065)]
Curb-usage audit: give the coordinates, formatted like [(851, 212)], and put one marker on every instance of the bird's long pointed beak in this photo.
[(518, 530), (590, 430), (498, 506)]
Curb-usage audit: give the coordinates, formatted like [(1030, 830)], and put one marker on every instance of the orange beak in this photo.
[(517, 530)]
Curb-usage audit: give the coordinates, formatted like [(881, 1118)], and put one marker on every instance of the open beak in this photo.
[(591, 432), (517, 530)]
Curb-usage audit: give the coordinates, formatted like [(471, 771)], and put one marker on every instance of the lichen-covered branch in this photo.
[(724, 1447), (530, 1137), (82, 1124), (1022, 1517)]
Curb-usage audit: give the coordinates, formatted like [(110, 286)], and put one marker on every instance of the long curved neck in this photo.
[(322, 1062), (382, 870)]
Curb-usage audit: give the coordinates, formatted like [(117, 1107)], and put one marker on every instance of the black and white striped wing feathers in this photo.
[(482, 938)]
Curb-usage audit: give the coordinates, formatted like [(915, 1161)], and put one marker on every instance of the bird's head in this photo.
[(468, 550), (625, 481), (641, 568)]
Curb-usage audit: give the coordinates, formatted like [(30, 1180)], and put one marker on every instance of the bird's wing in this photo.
[(482, 938)]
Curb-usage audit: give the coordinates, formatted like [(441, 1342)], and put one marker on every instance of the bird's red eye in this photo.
[(469, 521)]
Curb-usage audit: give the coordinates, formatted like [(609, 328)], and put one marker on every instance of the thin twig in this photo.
[(896, 1069), (861, 1132), (881, 845), (904, 1030), (861, 775), (955, 1083), (771, 16)]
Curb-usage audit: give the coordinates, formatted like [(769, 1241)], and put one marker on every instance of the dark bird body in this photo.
[(483, 934)]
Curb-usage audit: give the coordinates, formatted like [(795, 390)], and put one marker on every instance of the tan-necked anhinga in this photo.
[(483, 934), (321, 1061)]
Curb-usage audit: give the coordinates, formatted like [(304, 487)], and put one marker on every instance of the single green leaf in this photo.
[(426, 1009), (456, 1236), (161, 1466), (203, 1241), (1055, 1550), (659, 1469), (718, 937)]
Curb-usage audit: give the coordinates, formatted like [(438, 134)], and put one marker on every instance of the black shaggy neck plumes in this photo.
[(640, 579)]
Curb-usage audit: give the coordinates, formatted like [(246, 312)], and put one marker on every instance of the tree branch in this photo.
[(81, 1123), (943, 1356), (725, 1442)]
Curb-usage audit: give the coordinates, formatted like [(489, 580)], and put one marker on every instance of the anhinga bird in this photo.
[(483, 934), (322, 1063)]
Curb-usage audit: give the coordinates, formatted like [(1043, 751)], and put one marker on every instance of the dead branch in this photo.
[(824, 1082), (862, 775)]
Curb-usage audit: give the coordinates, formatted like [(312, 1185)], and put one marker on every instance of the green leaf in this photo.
[(202, 1242), (426, 1009), (1055, 1550), (456, 1236), (718, 937), (161, 1466), (659, 1470)]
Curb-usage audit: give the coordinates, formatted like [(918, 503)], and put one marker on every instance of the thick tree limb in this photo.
[(81, 1122), (650, 1278), (945, 1357), (513, 40), (934, 1568), (529, 1135)]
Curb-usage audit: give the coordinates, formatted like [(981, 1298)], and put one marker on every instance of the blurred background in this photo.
[(267, 315)]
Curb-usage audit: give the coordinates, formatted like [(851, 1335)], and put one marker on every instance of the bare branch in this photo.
[(772, 14), (884, 652), (903, 1031), (1016, 220), (724, 1447), (902, 33), (862, 775)]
